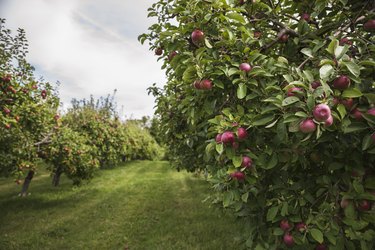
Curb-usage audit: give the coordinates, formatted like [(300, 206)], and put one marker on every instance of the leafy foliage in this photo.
[(302, 53)]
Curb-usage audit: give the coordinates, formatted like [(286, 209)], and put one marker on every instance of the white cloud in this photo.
[(91, 47)]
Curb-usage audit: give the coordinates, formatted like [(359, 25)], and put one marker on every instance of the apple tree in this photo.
[(276, 100), (27, 108)]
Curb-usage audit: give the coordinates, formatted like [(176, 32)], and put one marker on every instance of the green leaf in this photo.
[(351, 93), (237, 17), (241, 91), (366, 142), (342, 110), (354, 127), (290, 100), (353, 68), (189, 74), (237, 161), (245, 197), (358, 187), (326, 71), (284, 209), (227, 199), (307, 52), (332, 46), (219, 148), (340, 51), (207, 43), (271, 213), (260, 120), (316, 234)]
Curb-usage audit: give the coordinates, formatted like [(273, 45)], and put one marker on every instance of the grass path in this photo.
[(140, 205)]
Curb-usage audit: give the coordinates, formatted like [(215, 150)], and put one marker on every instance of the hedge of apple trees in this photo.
[(276, 100), (28, 108), (32, 130)]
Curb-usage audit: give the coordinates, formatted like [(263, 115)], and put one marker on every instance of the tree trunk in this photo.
[(26, 183), (56, 177)]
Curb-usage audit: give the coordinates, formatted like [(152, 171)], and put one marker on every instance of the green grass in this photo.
[(140, 205)]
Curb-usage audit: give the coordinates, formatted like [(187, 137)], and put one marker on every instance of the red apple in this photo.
[(284, 225), (357, 114), (172, 55), (206, 84), (257, 34), (6, 111), (345, 40), (306, 17), (238, 175), (197, 37), (242, 133), (235, 145), (6, 78), (158, 51), (341, 82), (307, 126), (364, 205), (7, 126), (17, 118), (218, 138), (294, 91), (321, 247), (56, 117), (321, 112), (197, 84), (371, 111), (234, 124), (284, 38), (245, 67), (300, 227), (328, 122), (288, 240), (369, 25), (227, 137), (315, 84), (335, 101), (247, 162), (44, 93), (348, 103)]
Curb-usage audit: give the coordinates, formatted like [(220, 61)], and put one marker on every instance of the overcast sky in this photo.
[(91, 47)]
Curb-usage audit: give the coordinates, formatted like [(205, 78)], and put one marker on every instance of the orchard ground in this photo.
[(139, 205)]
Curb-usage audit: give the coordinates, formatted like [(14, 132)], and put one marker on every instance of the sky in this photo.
[(90, 47)]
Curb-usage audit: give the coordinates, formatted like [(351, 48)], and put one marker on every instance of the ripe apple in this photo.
[(293, 91), (348, 103), (371, 111), (284, 38), (7, 126), (234, 124), (247, 162), (235, 145), (342, 82), (357, 114), (369, 25), (197, 37), (238, 175), (206, 84), (315, 84), (13, 90), (306, 17), (44, 93), (158, 51), (197, 84), (301, 227), (364, 205), (288, 240), (307, 126), (17, 118), (321, 247), (257, 34), (171, 55), (6, 111), (345, 40), (227, 137), (335, 101), (56, 117), (321, 112), (242, 133), (284, 225), (245, 67), (6, 78), (328, 122), (218, 138)]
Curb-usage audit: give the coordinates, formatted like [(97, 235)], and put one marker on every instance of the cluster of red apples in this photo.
[(229, 138)]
